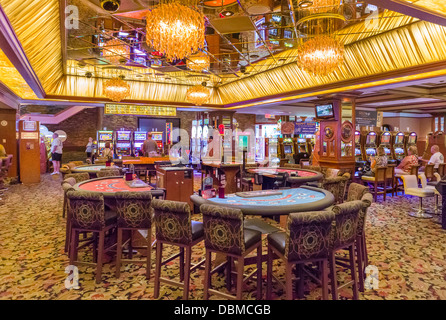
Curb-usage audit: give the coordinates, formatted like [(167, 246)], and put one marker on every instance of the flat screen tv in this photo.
[(325, 111)]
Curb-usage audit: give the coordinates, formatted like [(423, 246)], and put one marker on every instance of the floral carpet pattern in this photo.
[(408, 252)]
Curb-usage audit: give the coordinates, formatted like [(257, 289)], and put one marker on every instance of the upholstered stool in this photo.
[(411, 188), (173, 226), (225, 234), (307, 239)]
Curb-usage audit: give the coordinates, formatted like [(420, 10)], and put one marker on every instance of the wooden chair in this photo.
[(429, 172), (390, 179), (173, 226), (134, 214), (346, 225), (290, 247), (225, 233), (379, 180), (441, 169), (87, 214)]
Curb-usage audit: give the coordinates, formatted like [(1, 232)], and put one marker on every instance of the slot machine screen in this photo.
[(123, 145), (357, 138), (105, 136), (157, 136), (371, 139), (287, 149), (412, 139), (140, 136), (385, 139), (101, 144), (399, 139), (123, 135), (371, 152), (138, 145), (399, 150), (387, 151), (301, 140), (357, 152)]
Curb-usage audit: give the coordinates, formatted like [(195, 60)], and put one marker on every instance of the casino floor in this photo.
[(408, 252)]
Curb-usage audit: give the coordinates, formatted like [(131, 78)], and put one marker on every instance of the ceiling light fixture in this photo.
[(198, 62), (305, 4), (175, 29), (110, 5), (198, 95), (116, 52), (116, 89)]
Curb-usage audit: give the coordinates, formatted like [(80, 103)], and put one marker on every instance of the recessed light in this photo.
[(305, 4)]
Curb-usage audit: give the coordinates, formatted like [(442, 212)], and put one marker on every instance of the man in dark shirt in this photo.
[(303, 154), (149, 145)]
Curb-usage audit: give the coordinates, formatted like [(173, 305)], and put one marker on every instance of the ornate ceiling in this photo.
[(253, 56)]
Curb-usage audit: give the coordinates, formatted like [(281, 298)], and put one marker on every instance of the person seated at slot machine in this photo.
[(107, 152), (436, 158), (377, 162), (316, 150), (302, 154), (410, 160)]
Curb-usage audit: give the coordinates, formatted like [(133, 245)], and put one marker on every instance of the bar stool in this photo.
[(411, 188), (79, 177), (429, 172), (380, 178), (441, 169), (108, 173), (173, 226), (307, 239), (87, 214), (134, 214), (424, 185), (346, 225), (224, 233), (390, 179), (398, 177)]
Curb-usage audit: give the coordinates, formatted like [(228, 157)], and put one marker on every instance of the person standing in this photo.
[(56, 153), (149, 146), (89, 148)]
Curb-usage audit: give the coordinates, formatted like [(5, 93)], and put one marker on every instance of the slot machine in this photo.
[(398, 146), (158, 137), (103, 137), (272, 146), (359, 154), (123, 143), (138, 139), (204, 140), (370, 145), (260, 149), (411, 140), (385, 143), (195, 144), (301, 142), (288, 148)]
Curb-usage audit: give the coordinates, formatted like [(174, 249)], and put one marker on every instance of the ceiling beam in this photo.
[(408, 93), (407, 107), (13, 49), (411, 10)]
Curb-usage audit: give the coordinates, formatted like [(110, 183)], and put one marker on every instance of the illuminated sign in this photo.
[(29, 125), (29, 136), (128, 109)]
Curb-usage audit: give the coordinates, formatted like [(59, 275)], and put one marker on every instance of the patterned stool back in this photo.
[(309, 235), (356, 191), (134, 209), (223, 229), (86, 210), (108, 173), (79, 177), (367, 200), (172, 221), (346, 217)]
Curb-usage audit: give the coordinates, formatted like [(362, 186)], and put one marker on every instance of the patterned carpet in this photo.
[(409, 253)]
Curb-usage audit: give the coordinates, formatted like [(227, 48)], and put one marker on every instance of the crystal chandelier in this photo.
[(198, 95), (198, 62), (116, 89), (175, 29), (115, 51), (321, 55)]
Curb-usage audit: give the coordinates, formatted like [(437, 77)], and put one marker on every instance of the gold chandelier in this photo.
[(175, 29), (198, 62), (115, 51), (116, 89), (198, 95), (321, 55)]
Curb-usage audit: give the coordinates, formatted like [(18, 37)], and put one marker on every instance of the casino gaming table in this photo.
[(92, 169), (273, 202), (108, 186), (296, 177)]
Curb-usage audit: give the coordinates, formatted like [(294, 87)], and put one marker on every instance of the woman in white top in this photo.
[(56, 153)]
